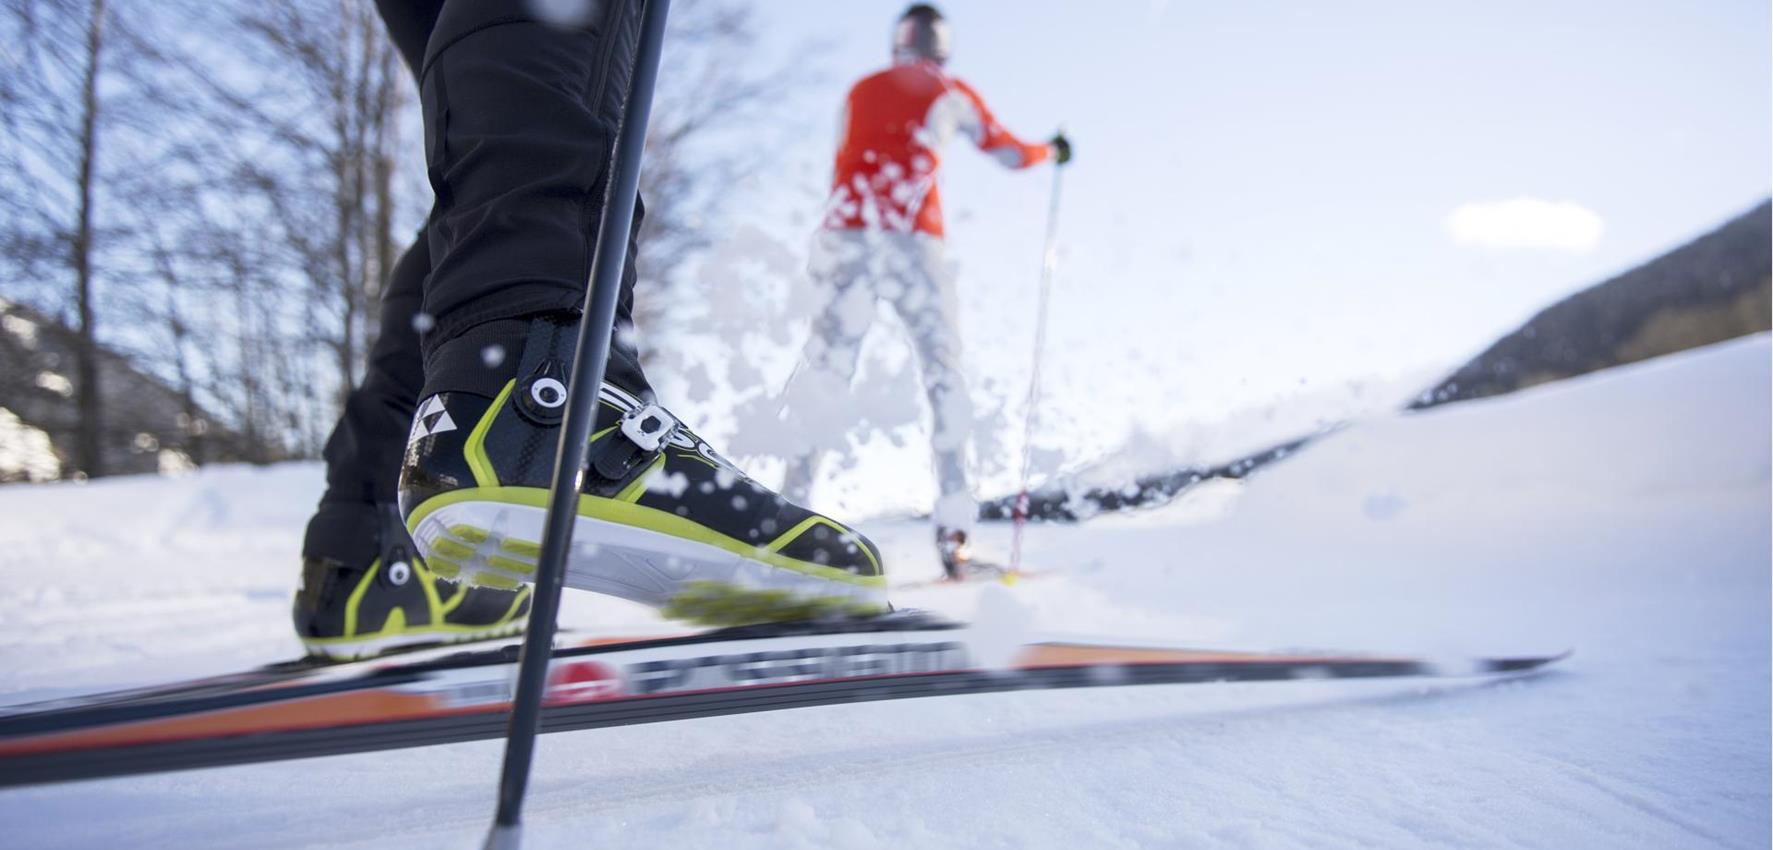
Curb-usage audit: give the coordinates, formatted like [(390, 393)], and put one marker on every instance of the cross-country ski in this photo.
[(446, 696), (705, 423)]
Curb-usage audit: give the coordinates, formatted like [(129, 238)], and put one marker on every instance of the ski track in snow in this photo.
[(1624, 515)]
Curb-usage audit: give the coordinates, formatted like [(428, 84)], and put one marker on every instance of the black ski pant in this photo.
[(520, 116)]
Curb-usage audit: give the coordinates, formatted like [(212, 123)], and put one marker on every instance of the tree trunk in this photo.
[(382, 153), (89, 430)]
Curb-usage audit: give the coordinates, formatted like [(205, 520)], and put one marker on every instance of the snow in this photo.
[(25, 452), (1624, 515)]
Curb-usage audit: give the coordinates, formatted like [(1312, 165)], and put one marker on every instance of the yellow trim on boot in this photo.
[(500, 562), (469, 533), (355, 643), (523, 594), (806, 525), (356, 597), (713, 603), (651, 519), (497, 581), (446, 633), (484, 475), (631, 493), (698, 458), (454, 600), (427, 583)]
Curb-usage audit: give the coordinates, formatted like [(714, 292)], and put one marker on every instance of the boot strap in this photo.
[(399, 557), (642, 435), (540, 397)]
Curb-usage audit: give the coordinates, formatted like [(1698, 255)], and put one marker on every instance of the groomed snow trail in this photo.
[(1625, 515)]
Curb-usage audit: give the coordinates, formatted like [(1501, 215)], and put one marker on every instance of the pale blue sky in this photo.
[(1259, 201)]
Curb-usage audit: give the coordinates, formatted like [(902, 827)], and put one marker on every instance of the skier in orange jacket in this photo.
[(882, 239)]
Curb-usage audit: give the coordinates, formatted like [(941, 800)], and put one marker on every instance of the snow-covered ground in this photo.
[(1625, 515)]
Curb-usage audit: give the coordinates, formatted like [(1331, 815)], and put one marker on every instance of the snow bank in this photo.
[(1625, 515), (1671, 426)]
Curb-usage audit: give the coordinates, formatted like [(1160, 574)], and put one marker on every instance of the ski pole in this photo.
[(1049, 261), (589, 358)]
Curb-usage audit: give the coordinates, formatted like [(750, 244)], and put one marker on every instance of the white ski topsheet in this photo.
[(1624, 515)]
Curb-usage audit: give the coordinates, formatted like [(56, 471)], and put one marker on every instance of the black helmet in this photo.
[(921, 33)]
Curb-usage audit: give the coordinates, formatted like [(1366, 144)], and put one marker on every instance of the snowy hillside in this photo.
[(1624, 514)]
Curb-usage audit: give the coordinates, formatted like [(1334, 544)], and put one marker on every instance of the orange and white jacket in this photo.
[(894, 127)]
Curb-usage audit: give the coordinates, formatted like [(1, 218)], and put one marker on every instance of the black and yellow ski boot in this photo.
[(662, 518), (955, 553), (395, 602)]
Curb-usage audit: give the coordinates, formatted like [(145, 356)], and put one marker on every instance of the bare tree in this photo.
[(278, 194), (209, 195), (330, 114), (707, 132), (77, 232), (81, 249), (53, 110)]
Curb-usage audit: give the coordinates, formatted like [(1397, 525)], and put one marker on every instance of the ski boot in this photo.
[(394, 600), (663, 519), (956, 555)]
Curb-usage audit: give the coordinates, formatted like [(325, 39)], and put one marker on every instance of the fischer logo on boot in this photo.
[(431, 419)]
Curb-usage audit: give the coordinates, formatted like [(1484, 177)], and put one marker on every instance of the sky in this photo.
[(1271, 202)]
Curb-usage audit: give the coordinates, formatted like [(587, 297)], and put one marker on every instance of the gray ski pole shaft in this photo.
[(589, 358), (1049, 261)]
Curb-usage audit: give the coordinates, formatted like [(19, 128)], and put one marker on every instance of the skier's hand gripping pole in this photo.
[(1061, 148), (589, 358), (1049, 261)]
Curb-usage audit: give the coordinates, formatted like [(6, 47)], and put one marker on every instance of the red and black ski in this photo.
[(444, 695)]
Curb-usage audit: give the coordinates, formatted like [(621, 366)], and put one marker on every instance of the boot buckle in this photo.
[(649, 427)]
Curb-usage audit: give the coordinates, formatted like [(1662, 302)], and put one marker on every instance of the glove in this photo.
[(1061, 148)]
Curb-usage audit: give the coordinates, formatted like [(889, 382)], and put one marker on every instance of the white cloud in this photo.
[(1526, 223)]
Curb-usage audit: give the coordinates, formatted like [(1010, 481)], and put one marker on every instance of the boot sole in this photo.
[(495, 543), (359, 649)]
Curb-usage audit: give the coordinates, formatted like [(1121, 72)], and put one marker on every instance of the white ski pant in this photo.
[(854, 270)]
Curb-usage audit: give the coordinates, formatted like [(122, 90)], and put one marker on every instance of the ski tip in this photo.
[(1521, 663)]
